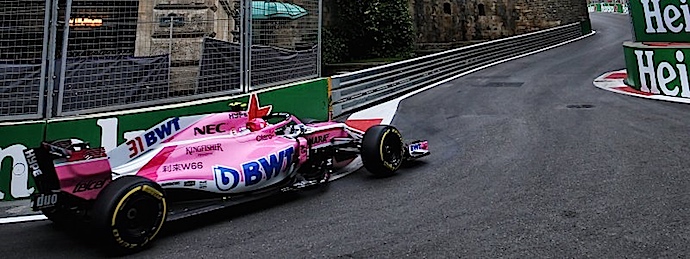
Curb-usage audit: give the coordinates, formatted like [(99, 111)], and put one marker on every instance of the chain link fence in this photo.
[(70, 57), (284, 41), (23, 31)]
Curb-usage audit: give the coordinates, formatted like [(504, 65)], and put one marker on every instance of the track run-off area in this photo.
[(529, 160)]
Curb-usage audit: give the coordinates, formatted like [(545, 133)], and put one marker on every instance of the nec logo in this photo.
[(209, 129)]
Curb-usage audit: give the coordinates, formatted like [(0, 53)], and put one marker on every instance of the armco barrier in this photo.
[(306, 100), (357, 90)]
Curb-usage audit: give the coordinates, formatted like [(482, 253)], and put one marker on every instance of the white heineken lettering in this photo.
[(683, 71), (19, 177), (673, 18), (686, 14), (662, 70), (646, 68), (663, 75)]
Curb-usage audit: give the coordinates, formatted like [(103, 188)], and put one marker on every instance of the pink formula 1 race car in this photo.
[(185, 166)]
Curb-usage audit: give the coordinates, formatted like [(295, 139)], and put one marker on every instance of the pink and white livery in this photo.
[(189, 165)]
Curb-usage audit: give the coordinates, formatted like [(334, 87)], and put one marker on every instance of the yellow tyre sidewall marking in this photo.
[(385, 163), (150, 190)]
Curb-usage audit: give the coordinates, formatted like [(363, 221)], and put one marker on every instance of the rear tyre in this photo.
[(128, 213), (382, 150)]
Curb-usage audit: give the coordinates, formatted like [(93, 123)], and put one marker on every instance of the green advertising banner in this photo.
[(306, 100), (15, 182), (661, 20), (608, 8), (658, 69)]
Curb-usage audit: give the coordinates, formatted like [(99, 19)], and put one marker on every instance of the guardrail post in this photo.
[(50, 93), (42, 93), (63, 60)]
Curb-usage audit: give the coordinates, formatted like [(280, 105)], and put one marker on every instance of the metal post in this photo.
[(318, 44), (243, 37), (63, 66), (248, 46), (44, 56), (170, 53), (51, 56)]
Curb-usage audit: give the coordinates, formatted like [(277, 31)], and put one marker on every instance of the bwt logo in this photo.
[(159, 133), (253, 172)]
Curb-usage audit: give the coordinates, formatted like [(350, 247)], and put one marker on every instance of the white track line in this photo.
[(389, 106), (20, 219)]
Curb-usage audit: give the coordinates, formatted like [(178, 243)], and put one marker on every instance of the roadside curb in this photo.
[(613, 81)]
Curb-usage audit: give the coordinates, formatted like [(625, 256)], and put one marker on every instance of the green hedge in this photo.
[(364, 29)]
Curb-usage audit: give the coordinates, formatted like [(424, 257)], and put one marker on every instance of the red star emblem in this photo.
[(254, 110)]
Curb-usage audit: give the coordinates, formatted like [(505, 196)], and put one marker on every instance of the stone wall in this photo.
[(443, 22)]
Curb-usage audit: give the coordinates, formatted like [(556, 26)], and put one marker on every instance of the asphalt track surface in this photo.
[(514, 173)]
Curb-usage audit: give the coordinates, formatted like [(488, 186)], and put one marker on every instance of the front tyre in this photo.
[(382, 150), (129, 212)]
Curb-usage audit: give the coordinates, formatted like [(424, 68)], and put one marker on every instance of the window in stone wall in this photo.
[(446, 8), (482, 11)]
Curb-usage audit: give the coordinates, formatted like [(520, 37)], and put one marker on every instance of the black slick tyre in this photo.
[(382, 150), (129, 213)]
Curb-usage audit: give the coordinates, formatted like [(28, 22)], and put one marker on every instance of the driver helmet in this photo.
[(256, 124)]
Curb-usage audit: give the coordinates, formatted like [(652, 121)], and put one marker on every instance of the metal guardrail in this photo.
[(358, 90)]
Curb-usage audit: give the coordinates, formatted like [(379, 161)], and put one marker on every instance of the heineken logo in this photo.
[(667, 77), (661, 20), (671, 17)]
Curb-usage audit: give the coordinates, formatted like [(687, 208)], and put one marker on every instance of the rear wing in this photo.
[(40, 165), (42, 161)]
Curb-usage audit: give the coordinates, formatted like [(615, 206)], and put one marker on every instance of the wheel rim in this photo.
[(138, 219), (391, 151)]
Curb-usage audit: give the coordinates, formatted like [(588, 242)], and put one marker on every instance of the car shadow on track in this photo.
[(222, 215), (80, 241)]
